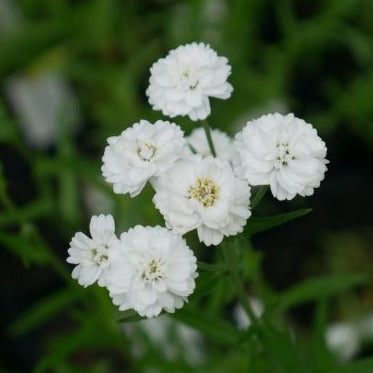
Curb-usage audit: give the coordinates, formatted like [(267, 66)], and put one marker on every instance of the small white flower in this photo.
[(203, 194), (161, 333), (91, 255), (284, 152), (343, 340), (242, 319), (182, 82), (152, 269), (197, 144), (365, 328), (44, 103), (141, 153)]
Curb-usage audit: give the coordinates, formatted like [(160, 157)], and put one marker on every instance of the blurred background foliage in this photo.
[(75, 72)]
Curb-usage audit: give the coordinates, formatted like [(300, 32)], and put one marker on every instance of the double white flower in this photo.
[(141, 153), (203, 194), (152, 269), (284, 152), (149, 269), (182, 82)]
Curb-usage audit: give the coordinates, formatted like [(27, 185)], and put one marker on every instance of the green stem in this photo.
[(207, 129), (209, 267), (230, 254), (258, 196)]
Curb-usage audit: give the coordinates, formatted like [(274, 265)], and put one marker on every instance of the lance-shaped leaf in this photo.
[(320, 287), (261, 224), (215, 329)]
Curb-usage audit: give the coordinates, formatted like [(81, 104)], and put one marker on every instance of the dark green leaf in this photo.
[(362, 366), (319, 287), (261, 224), (205, 283), (42, 311), (25, 246), (281, 349), (217, 330)]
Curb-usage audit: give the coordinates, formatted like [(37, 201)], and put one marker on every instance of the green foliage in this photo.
[(281, 52), (261, 224), (322, 287)]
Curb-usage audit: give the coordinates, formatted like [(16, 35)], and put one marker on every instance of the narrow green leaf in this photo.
[(33, 210), (206, 282), (24, 246), (209, 267), (362, 366), (62, 347), (261, 224), (217, 330), (281, 349), (319, 287), (43, 311), (321, 356)]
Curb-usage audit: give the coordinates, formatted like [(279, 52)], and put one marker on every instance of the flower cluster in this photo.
[(201, 182), (148, 269)]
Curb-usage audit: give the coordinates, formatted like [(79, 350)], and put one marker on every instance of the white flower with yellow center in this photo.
[(182, 82), (284, 152), (141, 153), (203, 194), (197, 144), (91, 254), (152, 270)]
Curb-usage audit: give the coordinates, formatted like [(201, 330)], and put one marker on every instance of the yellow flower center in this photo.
[(204, 191)]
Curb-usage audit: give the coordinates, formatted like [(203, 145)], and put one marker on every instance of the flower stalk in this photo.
[(230, 255), (258, 196), (207, 129)]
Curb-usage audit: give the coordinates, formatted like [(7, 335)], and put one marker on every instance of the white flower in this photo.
[(284, 152), (44, 103), (197, 144), (161, 332), (203, 194), (343, 340), (141, 153), (152, 269), (242, 319), (92, 254), (182, 82), (365, 328)]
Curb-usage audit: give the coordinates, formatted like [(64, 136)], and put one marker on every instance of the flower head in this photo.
[(152, 269), (197, 144), (91, 254), (203, 194), (284, 152), (182, 82), (243, 321), (141, 153), (343, 340)]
